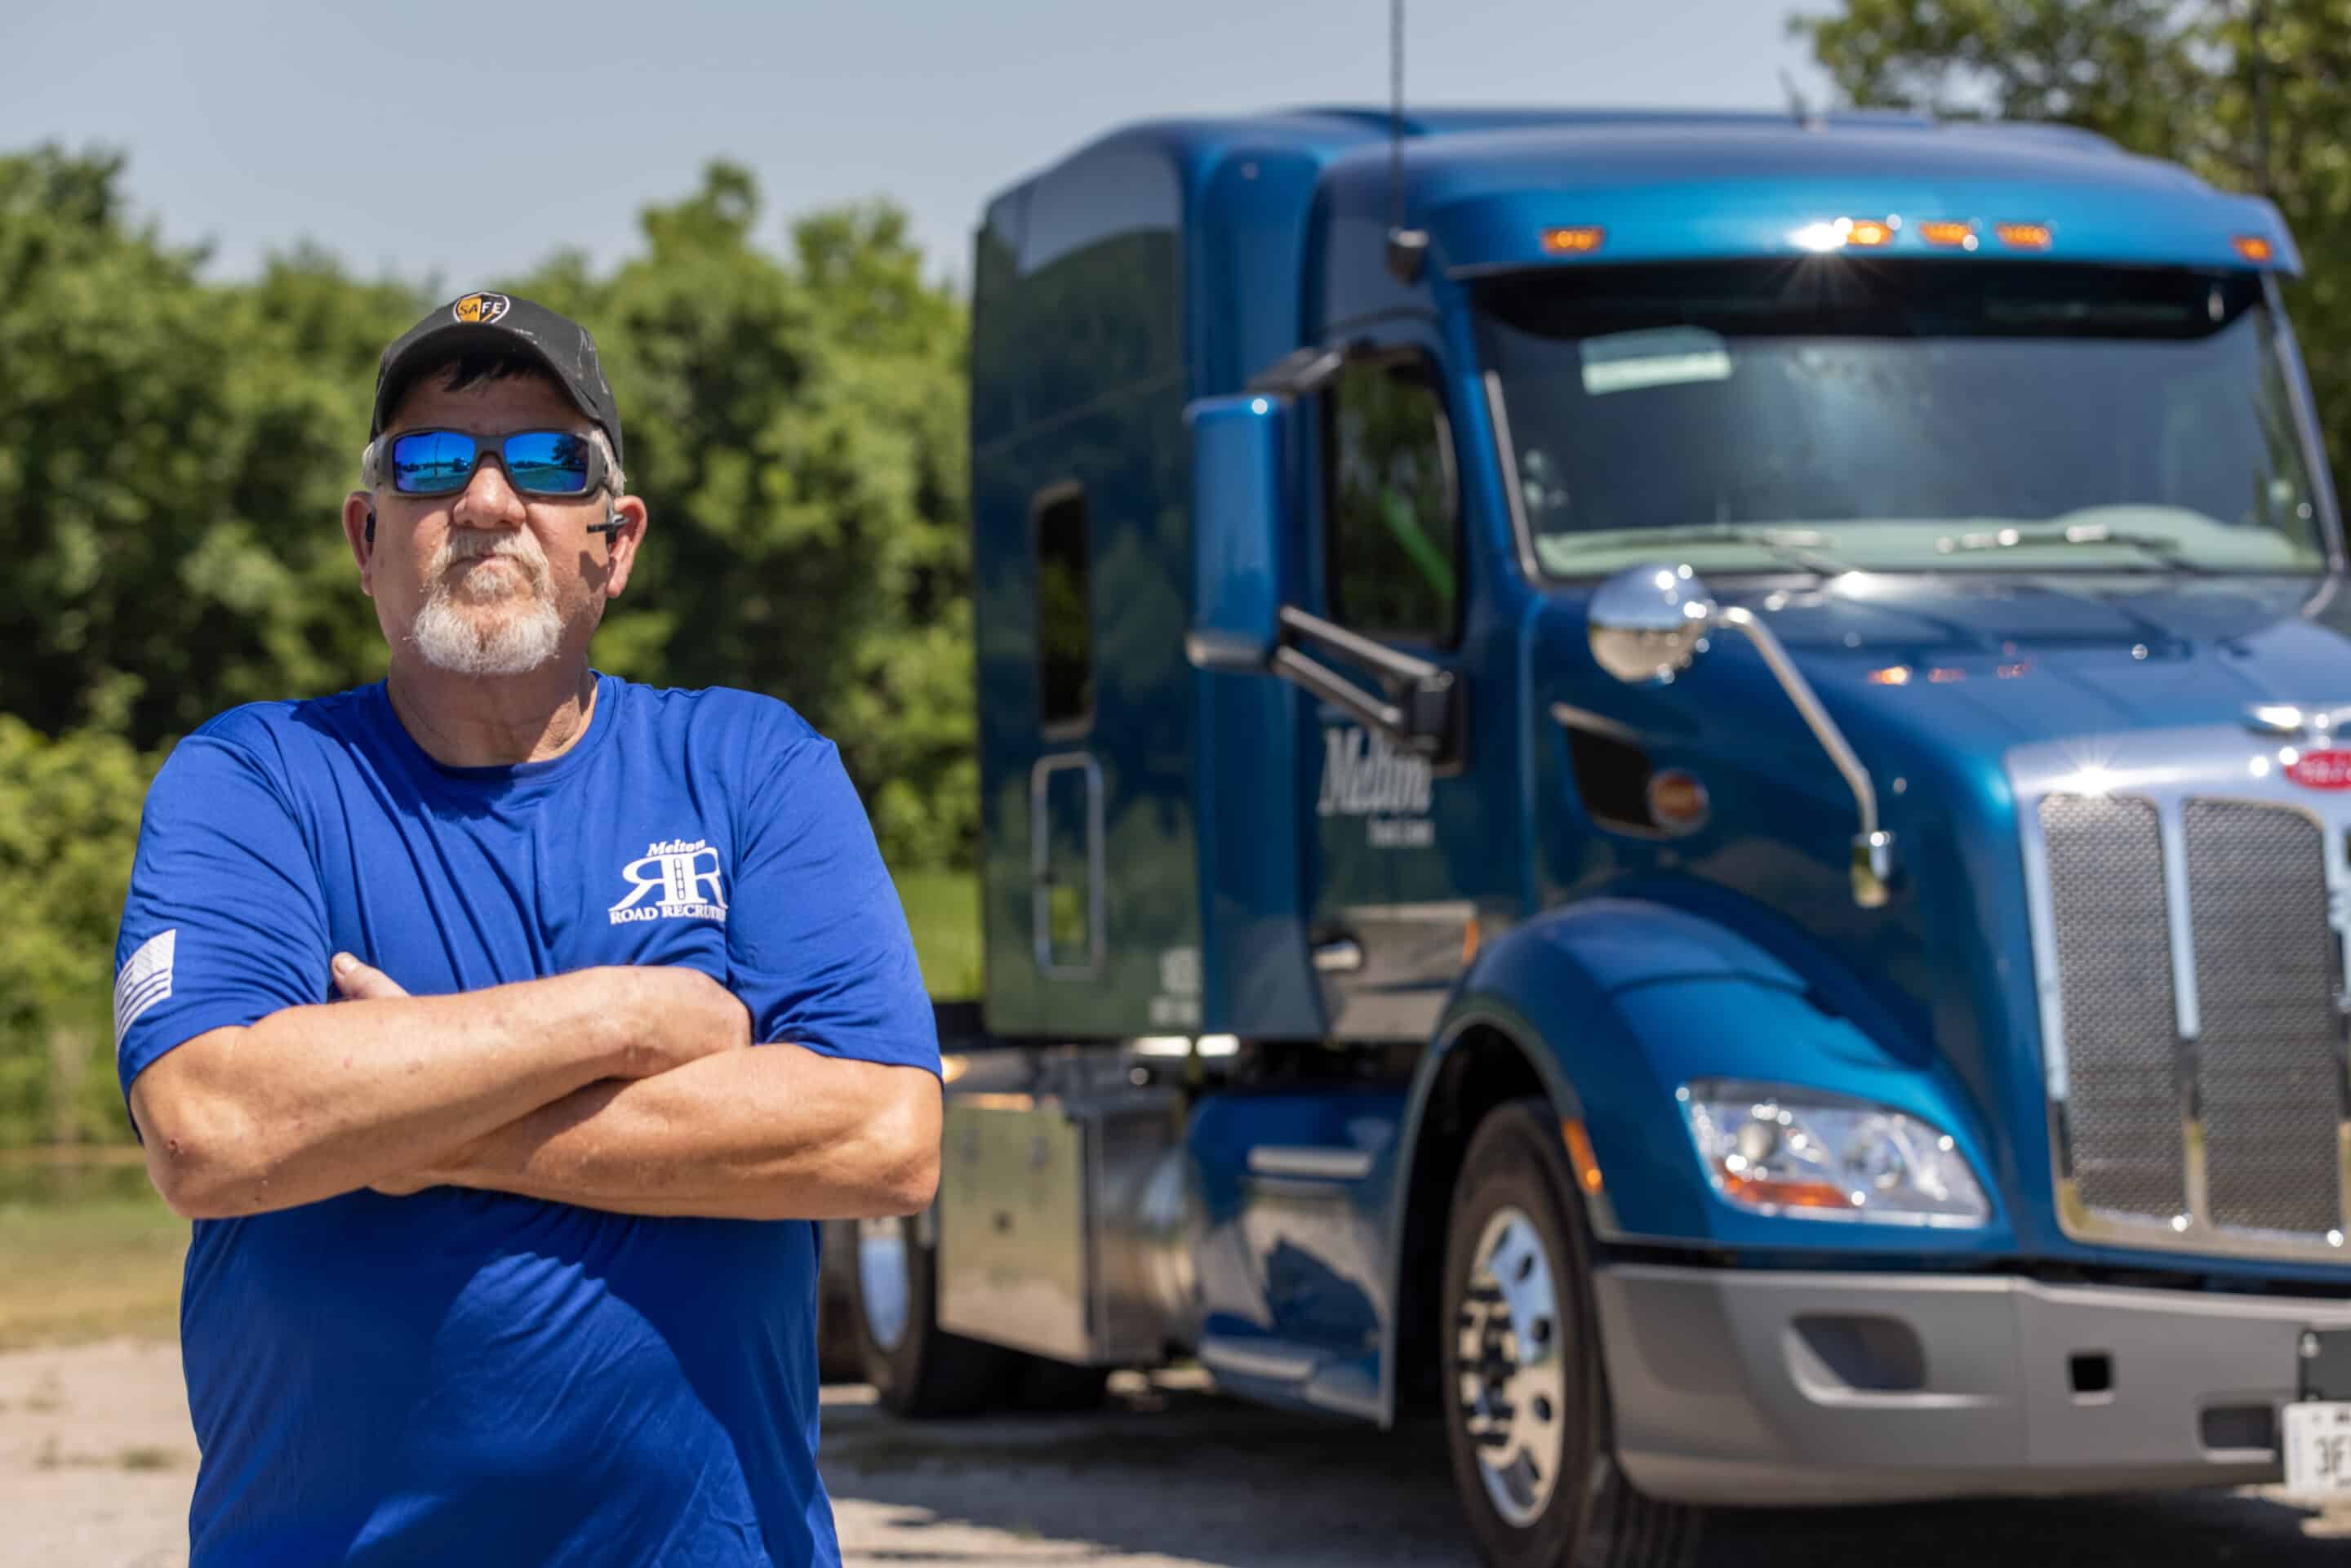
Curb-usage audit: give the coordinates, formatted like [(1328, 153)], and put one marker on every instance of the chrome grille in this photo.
[(2190, 897), (2121, 1029), (2267, 971)]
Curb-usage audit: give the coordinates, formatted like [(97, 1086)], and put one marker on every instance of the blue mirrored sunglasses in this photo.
[(537, 462)]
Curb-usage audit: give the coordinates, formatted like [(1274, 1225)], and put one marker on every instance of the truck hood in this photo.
[(1985, 664)]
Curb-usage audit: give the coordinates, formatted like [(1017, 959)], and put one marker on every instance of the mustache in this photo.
[(521, 548)]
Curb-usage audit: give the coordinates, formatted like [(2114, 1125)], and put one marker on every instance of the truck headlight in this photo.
[(1808, 1155)]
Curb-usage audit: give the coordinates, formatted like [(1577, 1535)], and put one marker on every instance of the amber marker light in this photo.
[(1580, 1156), (1961, 237), (1870, 232), (1892, 675), (2024, 236), (1572, 242), (1788, 1194), (2255, 249)]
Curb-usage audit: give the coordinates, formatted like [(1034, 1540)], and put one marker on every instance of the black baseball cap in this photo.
[(500, 322)]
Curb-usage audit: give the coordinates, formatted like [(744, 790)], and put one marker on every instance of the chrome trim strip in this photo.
[(1279, 1363), (2040, 911), (2217, 763), (1521, 530), (1319, 1162), (2171, 829), (1597, 724)]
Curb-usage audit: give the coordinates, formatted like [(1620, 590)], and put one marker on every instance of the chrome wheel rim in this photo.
[(881, 1286), (1513, 1369)]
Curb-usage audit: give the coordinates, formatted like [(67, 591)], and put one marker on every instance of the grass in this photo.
[(943, 909), (89, 1268)]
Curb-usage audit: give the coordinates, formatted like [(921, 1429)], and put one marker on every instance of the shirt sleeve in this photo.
[(817, 942), (224, 923)]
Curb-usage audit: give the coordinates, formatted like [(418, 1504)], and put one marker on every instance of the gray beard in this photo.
[(521, 633)]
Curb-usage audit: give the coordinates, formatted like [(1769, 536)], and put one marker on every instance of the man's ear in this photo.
[(359, 531), (620, 544)]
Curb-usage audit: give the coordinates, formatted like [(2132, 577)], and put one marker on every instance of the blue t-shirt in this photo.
[(465, 1376)]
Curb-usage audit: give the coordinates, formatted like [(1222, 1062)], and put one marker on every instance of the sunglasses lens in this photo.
[(548, 462), (432, 463)]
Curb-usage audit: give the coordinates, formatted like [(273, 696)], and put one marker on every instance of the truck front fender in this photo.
[(1609, 1006)]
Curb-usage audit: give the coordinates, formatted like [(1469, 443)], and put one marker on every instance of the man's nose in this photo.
[(489, 501)]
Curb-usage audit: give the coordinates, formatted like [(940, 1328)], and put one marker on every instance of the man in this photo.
[(504, 1257)]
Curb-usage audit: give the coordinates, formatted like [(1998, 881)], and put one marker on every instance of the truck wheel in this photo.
[(1044, 1385), (840, 1357), (1526, 1402), (915, 1367)]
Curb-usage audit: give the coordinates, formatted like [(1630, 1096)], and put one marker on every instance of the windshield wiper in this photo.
[(2160, 544), (1791, 545)]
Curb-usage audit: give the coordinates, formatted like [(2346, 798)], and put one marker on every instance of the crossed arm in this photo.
[(624, 1089)]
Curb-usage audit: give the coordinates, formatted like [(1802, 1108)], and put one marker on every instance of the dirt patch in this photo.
[(96, 1457), (96, 1460)]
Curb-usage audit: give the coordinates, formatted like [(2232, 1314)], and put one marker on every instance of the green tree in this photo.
[(170, 453), (69, 815), (2249, 93)]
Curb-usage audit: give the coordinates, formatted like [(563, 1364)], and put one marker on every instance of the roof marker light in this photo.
[(2255, 249), (1838, 233), (1572, 241), (1945, 233), (2024, 236)]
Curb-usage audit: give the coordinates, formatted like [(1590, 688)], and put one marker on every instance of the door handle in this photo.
[(1339, 955)]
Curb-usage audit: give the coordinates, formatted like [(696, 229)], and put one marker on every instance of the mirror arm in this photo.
[(1872, 847), (1335, 639), (1425, 722), (1333, 687)]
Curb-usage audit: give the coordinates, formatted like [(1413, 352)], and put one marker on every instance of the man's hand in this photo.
[(361, 982)]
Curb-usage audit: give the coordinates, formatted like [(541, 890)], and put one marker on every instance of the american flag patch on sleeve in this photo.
[(144, 980)]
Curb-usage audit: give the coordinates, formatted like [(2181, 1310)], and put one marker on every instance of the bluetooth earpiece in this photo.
[(371, 528), (612, 524)]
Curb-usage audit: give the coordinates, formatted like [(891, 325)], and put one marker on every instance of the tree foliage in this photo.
[(2249, 93), (174, 451)]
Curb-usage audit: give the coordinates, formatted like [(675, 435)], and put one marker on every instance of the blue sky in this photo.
[(458, 141)]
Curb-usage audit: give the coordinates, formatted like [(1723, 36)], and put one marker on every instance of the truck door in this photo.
[(1388, 934), (1065, 787)]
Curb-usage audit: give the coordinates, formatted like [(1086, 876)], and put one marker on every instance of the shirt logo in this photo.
[(686, 874), (144, 979)]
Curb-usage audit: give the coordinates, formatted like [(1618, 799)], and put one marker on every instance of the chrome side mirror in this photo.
[(1646, 623)]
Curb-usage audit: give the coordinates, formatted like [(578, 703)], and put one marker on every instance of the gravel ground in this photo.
[(96, 1460)]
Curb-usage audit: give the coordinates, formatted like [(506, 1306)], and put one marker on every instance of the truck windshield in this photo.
[(1851, 413)]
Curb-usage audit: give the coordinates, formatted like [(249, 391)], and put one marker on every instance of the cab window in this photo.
[(1394, 527)]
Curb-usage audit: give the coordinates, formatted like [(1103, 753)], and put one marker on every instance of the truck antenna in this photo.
[(1798, 110), (1407, 248)]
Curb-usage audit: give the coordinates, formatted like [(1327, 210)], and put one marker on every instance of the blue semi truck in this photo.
[(1662, 785)]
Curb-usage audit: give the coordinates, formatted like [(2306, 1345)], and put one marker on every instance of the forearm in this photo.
[(317, 1100), (779, 1132)]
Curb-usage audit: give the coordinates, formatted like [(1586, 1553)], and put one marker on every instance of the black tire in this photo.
[(1516, 1213), (924, 1370), (1044, 1385), (840, 1356)]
